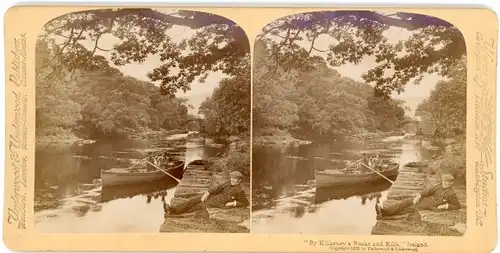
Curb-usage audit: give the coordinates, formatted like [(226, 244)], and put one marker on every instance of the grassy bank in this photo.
[(448, 156), (215, 220), (282, 137), (66, 138), (200, 222), (273, 136), (60, 138), (237, 158)]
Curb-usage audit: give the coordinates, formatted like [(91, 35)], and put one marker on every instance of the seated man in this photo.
[(151, 159), (377, 161), (229, 194), (363, 162), (438, 198)]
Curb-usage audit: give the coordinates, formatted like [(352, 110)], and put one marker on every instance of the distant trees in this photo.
[(316, 101), (227, 111), (215, 44), (445, 110), (100, 103), (435, 46)]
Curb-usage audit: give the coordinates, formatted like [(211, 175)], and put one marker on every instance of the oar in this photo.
[(136, 163), (213, 157), (392, 182), (164, 171), (354, 163)]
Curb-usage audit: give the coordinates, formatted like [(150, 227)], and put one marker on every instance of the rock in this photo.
[(189, 191), (194, 185), (245, 224), (447, 218), (460, 227), (433, 148), (233, 138), (216, 145), (407, 187), (449, 141)]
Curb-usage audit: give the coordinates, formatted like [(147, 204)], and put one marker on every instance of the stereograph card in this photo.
[(176, 128)]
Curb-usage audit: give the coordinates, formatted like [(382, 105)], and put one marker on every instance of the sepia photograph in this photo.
[(142, 123), (359, 125)]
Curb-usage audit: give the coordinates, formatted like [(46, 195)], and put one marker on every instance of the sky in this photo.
[(199, 91), (413, 94)]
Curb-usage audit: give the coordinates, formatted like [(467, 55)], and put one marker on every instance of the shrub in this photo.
[(238, 158)]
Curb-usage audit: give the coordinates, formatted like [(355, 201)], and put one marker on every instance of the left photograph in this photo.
[(142, 123)]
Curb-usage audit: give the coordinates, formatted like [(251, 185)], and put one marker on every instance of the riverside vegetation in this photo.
[(299, 96), (81, 94)]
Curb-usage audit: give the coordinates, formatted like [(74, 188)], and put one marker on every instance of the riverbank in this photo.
[(286, 139), (61, 140), (196, 180), (68, 138), (410, 181)]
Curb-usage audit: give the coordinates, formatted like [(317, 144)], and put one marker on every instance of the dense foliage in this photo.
[(316, 101), (444, 112), (444, 117), (100, 103), (215, 43), (227, 111), (434, 46), (97, 100)]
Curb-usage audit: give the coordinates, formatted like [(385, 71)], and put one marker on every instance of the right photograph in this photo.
[(359, 125)]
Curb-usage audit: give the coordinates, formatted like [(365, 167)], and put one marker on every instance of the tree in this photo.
[(56, 112), (435, 45), (100, 103), (314, 101), (272, 107), (218, 44), (446, 108), (227, 111)]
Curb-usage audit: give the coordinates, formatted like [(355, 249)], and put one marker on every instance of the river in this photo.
[(69, 197), (285, 199)]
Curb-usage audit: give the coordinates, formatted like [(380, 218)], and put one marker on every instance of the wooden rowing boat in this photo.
[(331, 178), (344, 192), (122, 176), (113, 192)]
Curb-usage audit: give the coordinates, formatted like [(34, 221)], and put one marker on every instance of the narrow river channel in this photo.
[(285, 199), (69, 197)]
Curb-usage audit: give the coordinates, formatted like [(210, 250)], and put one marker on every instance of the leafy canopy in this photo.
[(216, 43), (102, 103), (434, 46), (315, 101)]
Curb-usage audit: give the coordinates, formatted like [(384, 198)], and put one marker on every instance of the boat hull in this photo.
[(115, 177), (331, 179), (112, 192)]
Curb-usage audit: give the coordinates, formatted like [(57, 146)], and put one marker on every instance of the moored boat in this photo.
[(344, 192), (112, 192), (330, 178), (122, 176)]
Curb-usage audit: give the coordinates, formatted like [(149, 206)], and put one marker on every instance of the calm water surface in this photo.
[(69, 197), (285, 199)]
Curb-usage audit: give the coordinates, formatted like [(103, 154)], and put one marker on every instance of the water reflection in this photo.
[(285, 199), (149, 189), (69, 196), (366, 192)]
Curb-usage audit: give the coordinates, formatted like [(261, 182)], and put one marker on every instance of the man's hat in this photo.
[(447, 177), (236, 174)]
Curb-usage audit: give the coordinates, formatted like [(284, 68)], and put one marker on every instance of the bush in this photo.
[(238, 158), (453, 161)]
